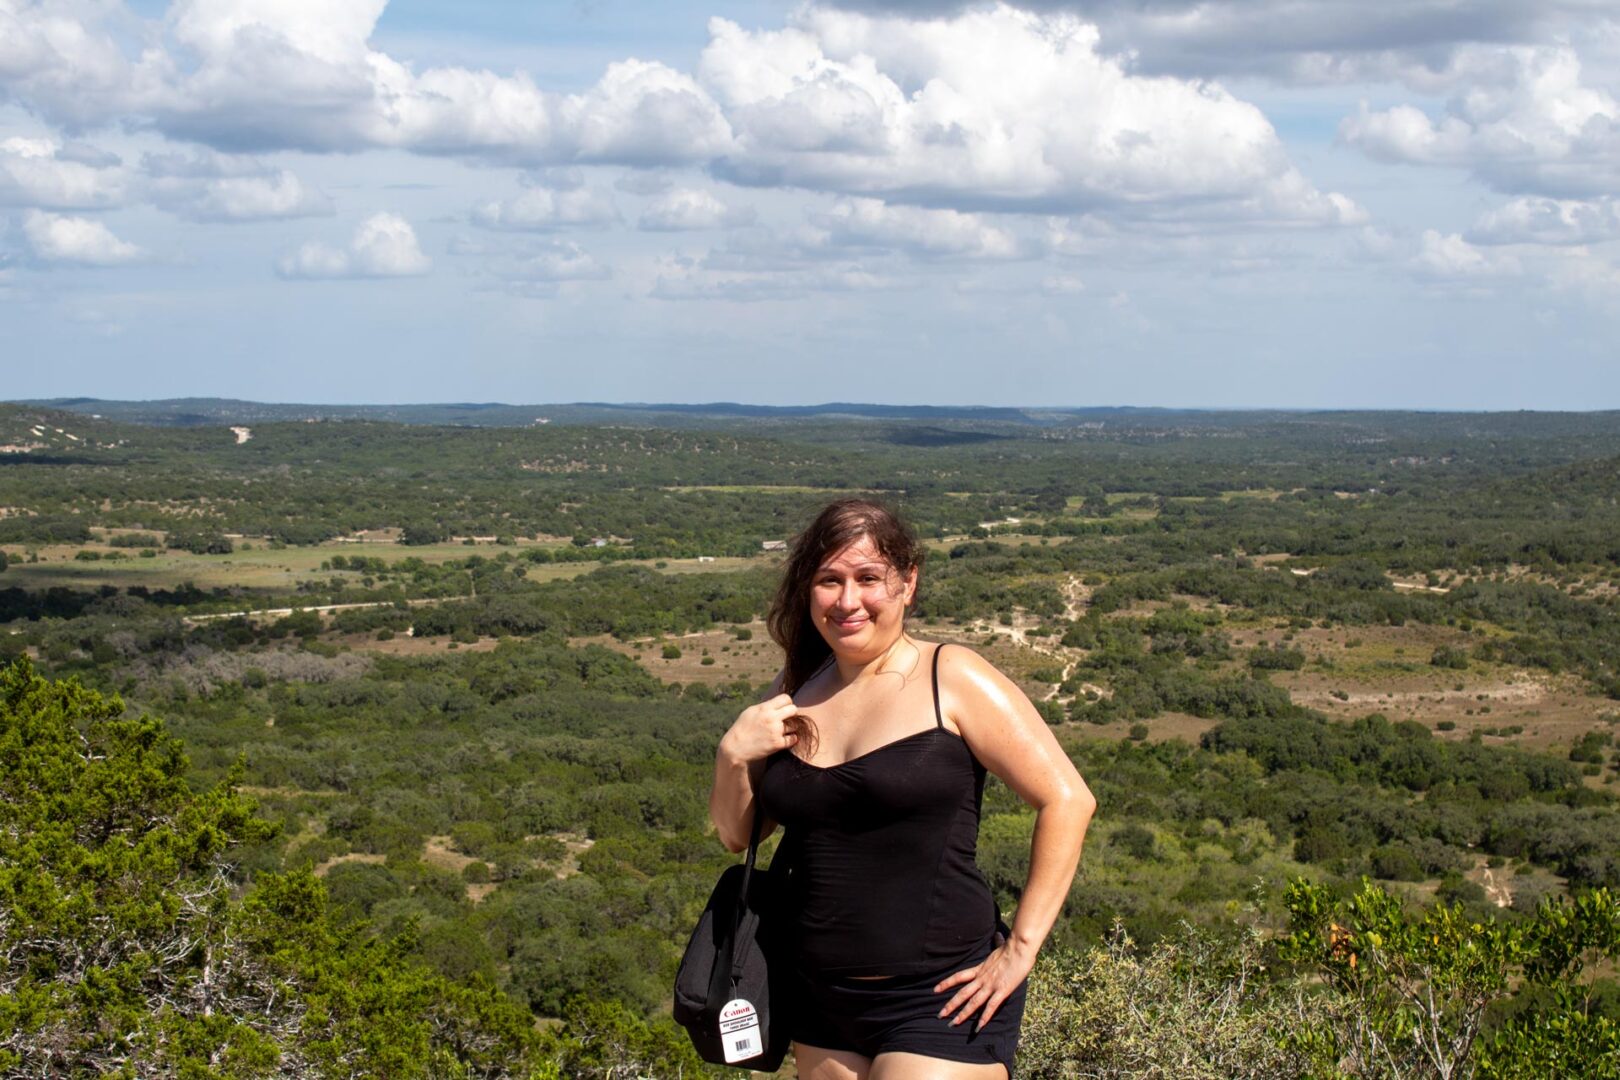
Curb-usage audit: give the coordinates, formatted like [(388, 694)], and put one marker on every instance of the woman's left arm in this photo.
[(1005, 732)]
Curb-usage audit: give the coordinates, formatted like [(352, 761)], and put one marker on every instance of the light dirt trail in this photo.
[(1075, 596), (283, 611), (1496, 892)]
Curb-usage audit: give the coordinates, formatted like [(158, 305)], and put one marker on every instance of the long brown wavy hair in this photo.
[(839, 524)]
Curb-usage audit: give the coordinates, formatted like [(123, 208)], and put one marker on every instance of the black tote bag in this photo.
[(729, 992)]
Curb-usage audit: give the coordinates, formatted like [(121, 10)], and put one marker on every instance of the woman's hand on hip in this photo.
[(982, 988), (761, 730)]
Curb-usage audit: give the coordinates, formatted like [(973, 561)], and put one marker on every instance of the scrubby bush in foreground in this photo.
[(1196, 1007), (127, 947), (1410, 994), (1361, 987)]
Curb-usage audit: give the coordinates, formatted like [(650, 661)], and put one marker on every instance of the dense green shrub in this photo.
[(1450, 656), (1192, 1006)]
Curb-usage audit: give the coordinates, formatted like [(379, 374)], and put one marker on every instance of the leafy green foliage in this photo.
[(1409, 993), (128, 951), (201, 543), (113, 875), (1192, 1006)]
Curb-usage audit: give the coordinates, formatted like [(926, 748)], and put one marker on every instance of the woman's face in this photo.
[(858, 601)]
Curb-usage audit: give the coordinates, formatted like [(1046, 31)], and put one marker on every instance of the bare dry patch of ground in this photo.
[(576, 844), (1359, 650), (1142, 609), (1496, 881), (353, 856), (1386, 669), (1162, 728), (757, 660), (440, 852)]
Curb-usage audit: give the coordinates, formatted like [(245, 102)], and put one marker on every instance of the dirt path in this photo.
[(1416, 587), (1076, 595), (1495, 891), (283, 611), (1075, 598)]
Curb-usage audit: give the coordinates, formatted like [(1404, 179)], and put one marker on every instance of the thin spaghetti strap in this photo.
[(939, 719)]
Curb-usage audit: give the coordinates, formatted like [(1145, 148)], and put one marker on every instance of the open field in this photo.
[(757, 661), (767, 489), (263, 568)]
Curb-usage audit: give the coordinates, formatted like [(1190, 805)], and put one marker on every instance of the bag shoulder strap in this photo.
[(939, 717), (740, 915)]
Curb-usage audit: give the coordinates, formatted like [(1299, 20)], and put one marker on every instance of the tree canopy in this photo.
[(128, 946)]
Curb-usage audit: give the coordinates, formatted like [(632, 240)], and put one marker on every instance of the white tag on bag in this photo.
[(739, 1031)]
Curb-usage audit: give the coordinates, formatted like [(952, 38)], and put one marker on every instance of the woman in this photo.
[(872, 750)]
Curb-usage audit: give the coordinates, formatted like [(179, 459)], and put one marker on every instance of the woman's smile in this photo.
[(857, 595)]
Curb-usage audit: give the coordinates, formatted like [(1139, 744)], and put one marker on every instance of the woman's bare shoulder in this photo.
[(957, 661), (969, 684), (1002, 726)]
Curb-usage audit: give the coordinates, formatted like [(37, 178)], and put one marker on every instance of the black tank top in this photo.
[(884, 881)]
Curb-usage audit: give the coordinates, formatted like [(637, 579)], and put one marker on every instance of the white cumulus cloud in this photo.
[(993, 107), (383, 246), (42, 172), (916, 231), (59, 238), (1448, 257), (1536, 220), (1525, 121), (272, 74), (542, 209), (931, 112), (1310, 42), (203, 185), (692, 208), (551, 262), (258, 198)]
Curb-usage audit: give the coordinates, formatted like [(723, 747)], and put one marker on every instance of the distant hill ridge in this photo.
[(189, 412)]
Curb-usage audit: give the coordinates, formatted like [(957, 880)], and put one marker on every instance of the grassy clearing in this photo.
[(1264, 494), (258, 567), (757, 660), (768, 489), (261, 568), (1162, 728)]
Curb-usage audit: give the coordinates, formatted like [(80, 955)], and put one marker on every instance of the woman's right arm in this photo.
[(760, 731)]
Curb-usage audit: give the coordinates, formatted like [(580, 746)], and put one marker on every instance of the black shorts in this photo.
[(901, 1014)]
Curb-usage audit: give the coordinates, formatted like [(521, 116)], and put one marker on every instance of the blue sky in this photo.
[(1312, 203)]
